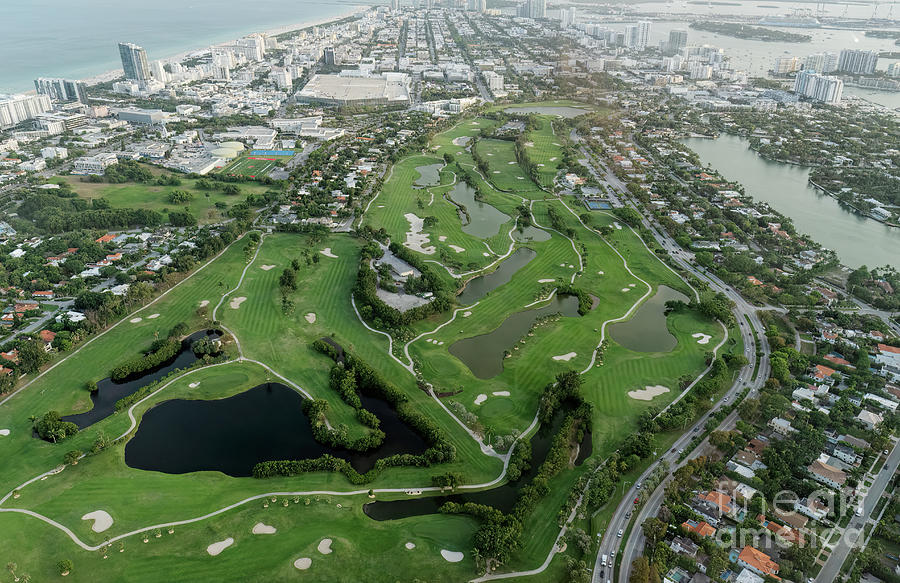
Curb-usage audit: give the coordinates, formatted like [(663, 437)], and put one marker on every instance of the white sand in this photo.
[(135, 320), (562, 264), (102, 520), (4, 432), (442, 238), (325, 546), (452, 556), (702, 338), (410, 546), (327, 253), (460, 141), (466, 314), (632, 284), (153, 316), (194, 385), (500, 393), (260, 528), (541, 165), (266, 267), (626, 289), (486, 254), (480, 399), (302, 564), (310, 317), (648, 392), (546, 280), (511, 163), (204, 303), (617, 226), (566, 357), (381, 206), (599, 273), (571, 266), (553, 159), (441, 343), (235, 303), (216, 548), (457, 248), (415, 239), (520, 177), (496, 172), (529, 144)]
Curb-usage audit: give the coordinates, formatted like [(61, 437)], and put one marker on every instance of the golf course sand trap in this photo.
[(266, 267), (599, 273), (466, 314), (566, 357), (153, 316), (632, 284), (500, 393), (260, 528), (461, 141), (457, 248), (452, 556), (546, 280), (194, 385), (216, 548), (442, 238), (302, 564), (553, 159), (327, 253), (310, 317), (617, 226), (235, 303), (529, 144), (135, 320), (4, 432), (626, 289), (204, 303), (648, 392), (496, 172), (102, 520), (410, 546), (702, 338), (480, 399), (415, 239), (511, 163), (325, 546)]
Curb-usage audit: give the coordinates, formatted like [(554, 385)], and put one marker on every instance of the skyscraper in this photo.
[(134, 62), (62, 89), (536, 8), (643, 34), (677, 40), (858, 61), (819, 87)]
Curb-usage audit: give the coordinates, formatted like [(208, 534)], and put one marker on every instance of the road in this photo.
[(854, 529)]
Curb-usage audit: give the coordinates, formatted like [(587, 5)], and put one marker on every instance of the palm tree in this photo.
[(11, 567), (477, 555)]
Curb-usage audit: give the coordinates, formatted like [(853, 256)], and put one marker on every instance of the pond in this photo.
[(646, 331), (109, 392), (530, 233), (561, 111), (503, 497), (480, 286), (484, 220), (429, 175), (232, 435), (484, 354)]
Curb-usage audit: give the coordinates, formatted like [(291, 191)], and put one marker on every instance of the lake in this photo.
[(484, 354), (480, 286), (856, 239), (429, 175), (484, 220), (647, 331), (232, 435)]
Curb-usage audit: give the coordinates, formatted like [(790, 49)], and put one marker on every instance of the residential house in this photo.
[(701, 528), (813, 508), (47, 337), (782, 426), (827, 474), (757, 561), (869, 419)]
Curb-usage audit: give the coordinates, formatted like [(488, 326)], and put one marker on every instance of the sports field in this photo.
[(253, 165)]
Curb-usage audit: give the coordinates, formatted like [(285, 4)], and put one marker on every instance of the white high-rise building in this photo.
[(494, 81), (643, 34), (567, 17), (18, 108), (786, 65), (158, 69), (134, 62), (857, 61), (62, 89), (821, 62), (819, 87)]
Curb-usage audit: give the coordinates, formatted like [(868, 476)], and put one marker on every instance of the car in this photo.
[(620, 533), (885, 452), (628, 514), (602, 574), (638, 486), (680, 451), (696, 429), (859, 510)]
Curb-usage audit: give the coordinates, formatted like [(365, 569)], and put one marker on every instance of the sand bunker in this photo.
[(415, 238), (194, 385), (546, 280), (617, 226), (599, 273), (566, 357), (204, 303), (442, 238), (452, 556), (457, 248), (216, 548), (302, 564), (410, 546), (511, 163), (648, 392), (626, 289), (702, 338), (135, 320), (4, 432), (496, 172), (235, 303), (529, 144), (632, 284), (461, 141), (266, 267), (153, 316), (466, 314), (480, 399), (327, 253), (325, 546), (500, 393), (553, 159), (260, 528), (310, 317), (571, 266), (102, 520)]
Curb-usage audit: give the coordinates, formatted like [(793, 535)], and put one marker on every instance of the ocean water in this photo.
[(77, 39)]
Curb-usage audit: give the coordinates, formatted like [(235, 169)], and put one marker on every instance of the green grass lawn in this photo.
[(251, 166), (155, 197)]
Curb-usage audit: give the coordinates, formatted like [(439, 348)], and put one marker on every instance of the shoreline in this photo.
[(112, 74)]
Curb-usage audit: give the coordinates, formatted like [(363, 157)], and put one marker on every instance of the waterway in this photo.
[(232, 435), (482, 285), (484, 220), (647, 331), (484, 354), (429, 175), (857, 240)]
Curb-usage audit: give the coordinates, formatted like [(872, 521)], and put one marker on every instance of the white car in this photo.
[(620, 533)]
